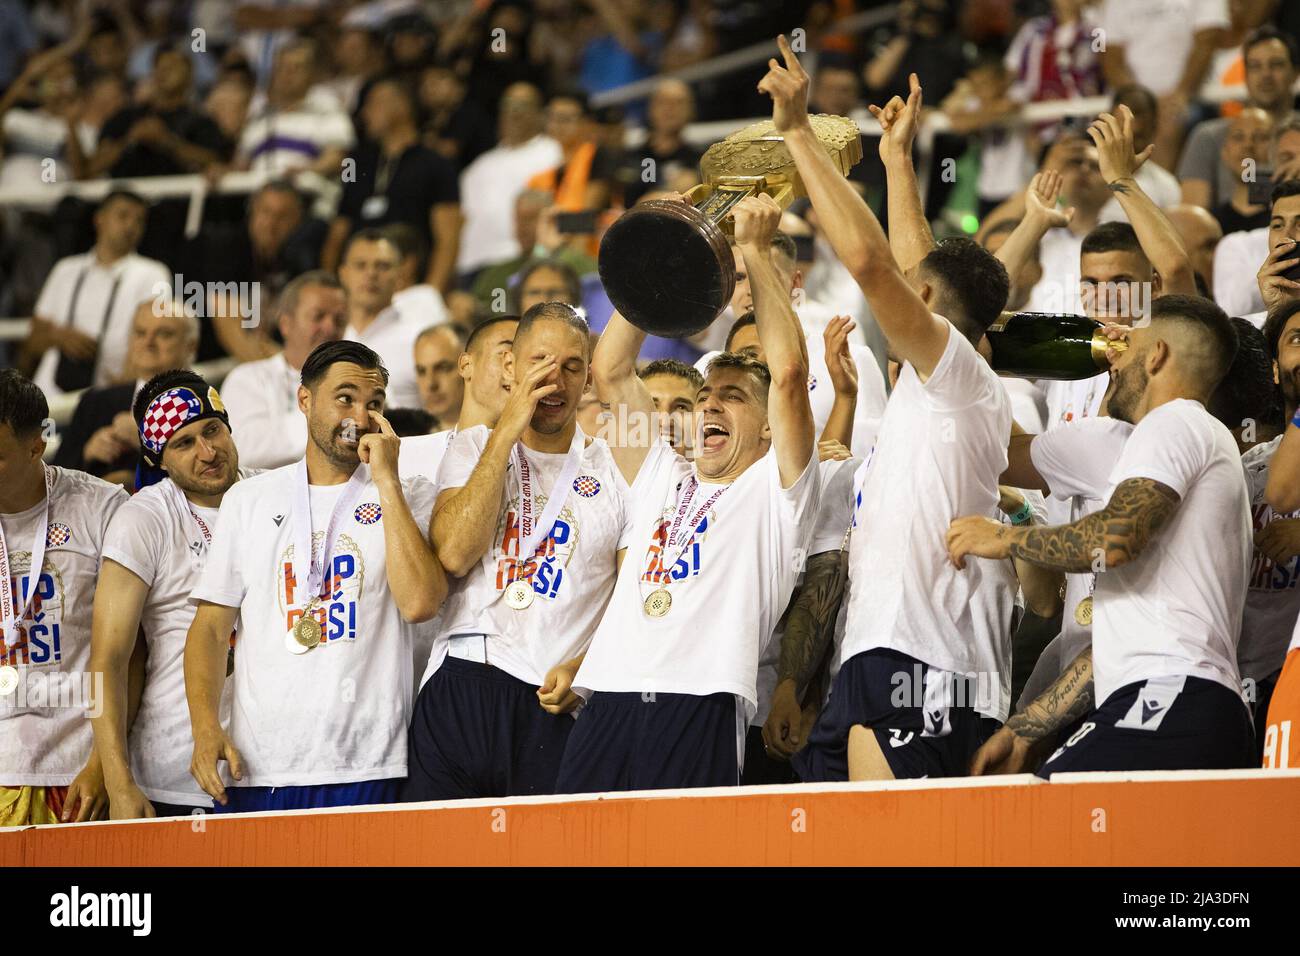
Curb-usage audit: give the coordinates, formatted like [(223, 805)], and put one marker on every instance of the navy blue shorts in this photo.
[(627, 741), (759, 767), (478, 732), (161, 809), (360, 794), (917, 740), (1169, 723)]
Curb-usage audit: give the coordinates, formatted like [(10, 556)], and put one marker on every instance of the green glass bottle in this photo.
[(1043, 345)]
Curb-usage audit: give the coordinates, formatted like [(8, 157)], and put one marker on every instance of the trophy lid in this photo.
[(759, 150)]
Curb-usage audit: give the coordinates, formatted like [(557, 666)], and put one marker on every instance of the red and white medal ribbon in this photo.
[(308, 572), (10, 613), (533, 533)]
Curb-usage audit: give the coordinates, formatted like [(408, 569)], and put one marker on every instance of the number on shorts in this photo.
[(1277, 745)]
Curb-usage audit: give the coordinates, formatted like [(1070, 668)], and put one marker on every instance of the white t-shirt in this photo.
[(423, 454), (1158, 35), (153, 536), (489, 187), (1076, 460), (573, 582), (337, 714), (262, 400), (941, 448), (728, 590), (1272, 598), (1073, 401), (870, 406), (421, 305), (1176, 609), (1057, 292), (278, 141), (99, 313), (43, 745), (393, 337), (1237, 259), (829, 528)]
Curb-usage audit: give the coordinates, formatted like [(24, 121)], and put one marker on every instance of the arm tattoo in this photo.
[(1118, 186), (810, 621), (1136, 512), (1067, 699)]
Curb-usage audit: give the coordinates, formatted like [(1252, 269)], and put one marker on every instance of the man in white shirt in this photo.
[(52, 524), (491, 183), (82, 322), (324, 564), (716, 546), (153, 553), (531, 518), (481, 367), (262, 397), (369, 274), (1172, 546), (437, 350)]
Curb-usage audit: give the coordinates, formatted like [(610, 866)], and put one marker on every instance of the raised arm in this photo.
[(915, 334), (1156, 234), (465, 518), (843, 371), (1115, 535), (1040, 215), (910, 238), (115, 627), (788, 411), (621, 391), (415, 578)]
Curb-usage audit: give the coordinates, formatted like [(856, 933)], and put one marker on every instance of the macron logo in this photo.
[(277, 519), (103, 909)]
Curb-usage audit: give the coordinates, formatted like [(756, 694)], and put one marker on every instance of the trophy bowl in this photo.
[(667, 266)]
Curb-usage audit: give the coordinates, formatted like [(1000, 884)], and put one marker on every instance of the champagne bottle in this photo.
[(1043, 345)]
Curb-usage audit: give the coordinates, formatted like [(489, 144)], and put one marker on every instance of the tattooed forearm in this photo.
[(1137, 510), (1066, 700), (1118, 186), (810, 621)]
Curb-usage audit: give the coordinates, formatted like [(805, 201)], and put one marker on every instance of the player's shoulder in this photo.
[(83, 487), (251, 371), (254, 487)]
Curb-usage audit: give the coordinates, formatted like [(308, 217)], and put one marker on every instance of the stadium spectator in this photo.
[(262, 396), (81, 328), (369, 273), (357, 59), (582, 181), (437, 352), (415, 298), (923, 40), (102, 437), (1201, 234), (1272, 64), (1244, 148), (538, 239), (39, 115), (1157, 182), (490, 184), (665, 160), (455, 127), (399, 180)]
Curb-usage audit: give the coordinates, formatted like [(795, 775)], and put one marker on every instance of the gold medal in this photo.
[(307, 632), (1083, 612), (658, 603), (8, 680), (519, 595)]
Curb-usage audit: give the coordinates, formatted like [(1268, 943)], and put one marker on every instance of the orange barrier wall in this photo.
[(1239, 818)]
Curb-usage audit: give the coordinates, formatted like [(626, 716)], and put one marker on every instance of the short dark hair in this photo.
[(1283, 190), (1269, 32), (1247, 391), (759, 372), (747, 319), (1276, 323), (1132, 91), (404, 90), (1210, 322), (121, 192), (480, 329), (973, 285), (575, 95), (278, 186), (557, 312), (566, 271), (369, 234), (22, 405), (674, 367), (344, 350), (1111, 237)]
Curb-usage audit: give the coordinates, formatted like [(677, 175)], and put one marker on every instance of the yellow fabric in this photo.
[(24, 806)]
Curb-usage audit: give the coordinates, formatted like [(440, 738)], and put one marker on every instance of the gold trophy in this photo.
[(666, 265)]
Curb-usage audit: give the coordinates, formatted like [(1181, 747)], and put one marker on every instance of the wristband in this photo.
[(1022, 515)]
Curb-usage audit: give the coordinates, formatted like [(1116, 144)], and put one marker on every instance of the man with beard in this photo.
[(530, 515), (1173, 540), (324, 565), (52, 523), (484, 394), (717, 546), (152, 557), (262, 396)]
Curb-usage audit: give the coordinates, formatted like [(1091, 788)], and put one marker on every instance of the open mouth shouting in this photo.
[(713, 436)]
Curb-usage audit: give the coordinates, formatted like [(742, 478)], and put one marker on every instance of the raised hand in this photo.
[(839, 360), (1041, 201), (522, 403), (899, 120), (379, 449), (757, 219), (788, 87), (1113, 136)]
